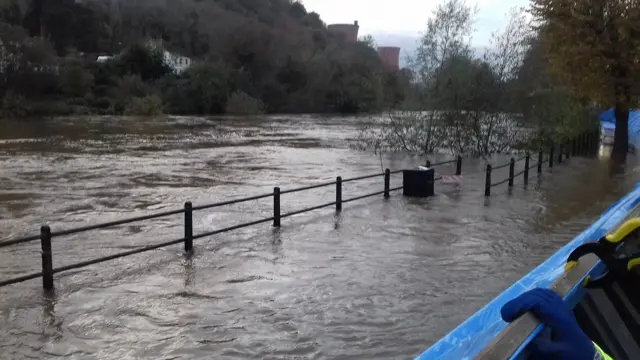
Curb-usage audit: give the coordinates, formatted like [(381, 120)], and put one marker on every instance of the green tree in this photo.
[(142, 60), (355, 79), (593, 46), (32, 21), (274, 51), (462, 98), (369, 41), (448, 34), (74, 79), (548, 106), (10, 12), (203, 89), (28, 64), (398, 88)]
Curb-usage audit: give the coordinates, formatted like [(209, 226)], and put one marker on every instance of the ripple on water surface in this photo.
[(383, 279)]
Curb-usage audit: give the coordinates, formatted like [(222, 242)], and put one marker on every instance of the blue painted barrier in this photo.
[(608, 125), (470, 337)]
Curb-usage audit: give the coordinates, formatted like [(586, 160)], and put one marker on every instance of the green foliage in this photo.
[(558, 115), (130, 86), (461, 101), (593, 47), (241, 103), (74, 79), (10, 12), (28, 65), (273, 50), (355, 81), (398, 89), (202, 89), (141, 60), (150, 105), (14, 106)]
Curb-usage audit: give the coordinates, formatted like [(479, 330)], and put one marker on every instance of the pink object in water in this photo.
[(452, 179)]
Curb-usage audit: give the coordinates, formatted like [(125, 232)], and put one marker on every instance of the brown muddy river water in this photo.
[(383, 279)]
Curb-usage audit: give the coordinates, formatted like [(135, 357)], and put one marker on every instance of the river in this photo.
[(383, 279)]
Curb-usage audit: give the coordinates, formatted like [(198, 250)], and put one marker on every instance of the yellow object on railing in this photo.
[(625, 229), (570, 265), (633, 263)]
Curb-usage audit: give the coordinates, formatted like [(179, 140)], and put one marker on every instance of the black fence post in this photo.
[(540, 154), (560, 151), (551, 157), (487, 181), (459, 165), (579, 144), (387, 182), (276, 206), (47, 260), (512, 170), (428, 164), (526, 168), (585, 143), (574, 150), (188, 227), (339, 193)]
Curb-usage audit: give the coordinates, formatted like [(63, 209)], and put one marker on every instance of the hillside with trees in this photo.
[(249, 56)]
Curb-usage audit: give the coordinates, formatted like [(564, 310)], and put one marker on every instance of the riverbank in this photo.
[(139, 81), (239, 104)]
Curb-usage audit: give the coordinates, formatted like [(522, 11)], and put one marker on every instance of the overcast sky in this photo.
[(406, 18)]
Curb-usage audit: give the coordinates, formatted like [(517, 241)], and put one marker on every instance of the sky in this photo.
[(400, 22)]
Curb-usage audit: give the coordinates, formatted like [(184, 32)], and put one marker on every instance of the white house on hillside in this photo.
[(177, 62), (104, 58)]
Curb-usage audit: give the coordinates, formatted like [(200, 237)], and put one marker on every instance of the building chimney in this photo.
[(355, 23)]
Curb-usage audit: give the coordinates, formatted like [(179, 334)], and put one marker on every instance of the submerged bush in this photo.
[(241, 103), (14, 106), (149, 105)]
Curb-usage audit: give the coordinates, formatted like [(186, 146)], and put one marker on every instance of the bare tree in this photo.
[(448, 34), (464, 99), (494, 129)]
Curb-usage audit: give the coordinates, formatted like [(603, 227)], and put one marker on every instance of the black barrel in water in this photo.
[(418, 182)]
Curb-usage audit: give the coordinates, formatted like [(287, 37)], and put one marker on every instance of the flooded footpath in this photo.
[(383, 279)]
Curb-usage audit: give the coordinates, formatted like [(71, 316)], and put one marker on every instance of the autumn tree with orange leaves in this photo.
[(593, 47)]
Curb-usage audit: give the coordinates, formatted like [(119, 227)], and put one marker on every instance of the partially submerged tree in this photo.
[(594, 47), (547, 105), (463, 99), (448, 35), (442, 48)]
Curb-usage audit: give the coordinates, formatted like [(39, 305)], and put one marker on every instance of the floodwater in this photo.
[(383, 279)]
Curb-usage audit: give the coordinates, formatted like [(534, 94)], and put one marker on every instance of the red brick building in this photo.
[(390, 56), (348, 31)]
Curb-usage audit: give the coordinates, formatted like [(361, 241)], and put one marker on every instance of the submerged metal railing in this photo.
[(581, 144), (584, 142), (47, 234)]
